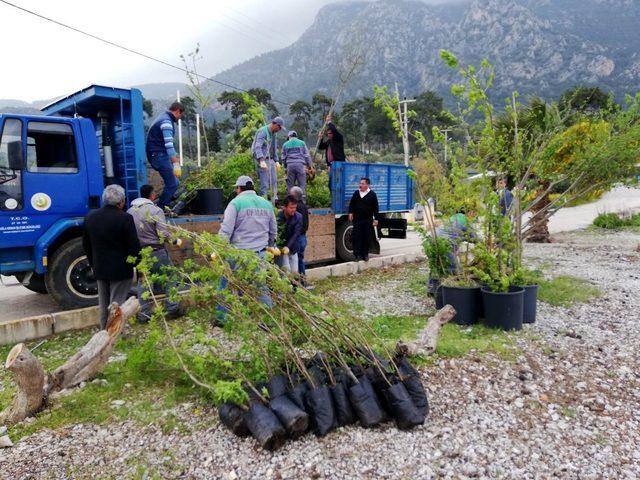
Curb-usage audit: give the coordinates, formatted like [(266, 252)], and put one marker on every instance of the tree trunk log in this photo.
[(539, 232), (84, 365), (427, 340), (91, 358), (29, 377)]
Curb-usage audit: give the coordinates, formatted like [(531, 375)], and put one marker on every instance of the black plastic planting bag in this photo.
[(232, 417), (403, 411), (297, 393), (413, 384), (343, 410), (320, 408), (318, 374), (293, 418), (265, 426), (365, 404), (277, 386)]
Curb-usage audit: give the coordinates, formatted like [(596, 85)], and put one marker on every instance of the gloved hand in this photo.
[(177, 242), (278, 166), (177, 170), (263, 164), (285, 251)]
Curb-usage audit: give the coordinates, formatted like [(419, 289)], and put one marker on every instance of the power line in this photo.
[(253, 19), (130, 50)]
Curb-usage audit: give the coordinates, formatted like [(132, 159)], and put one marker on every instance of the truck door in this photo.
[(55, 185)]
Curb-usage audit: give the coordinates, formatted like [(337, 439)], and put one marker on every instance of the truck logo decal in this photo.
[(41, 201)]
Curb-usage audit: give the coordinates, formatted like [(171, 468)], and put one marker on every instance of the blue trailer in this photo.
[(53, 169)]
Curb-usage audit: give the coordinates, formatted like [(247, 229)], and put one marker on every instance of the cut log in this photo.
[(29, 377), (84, 365), (91, 358), (427, 340)]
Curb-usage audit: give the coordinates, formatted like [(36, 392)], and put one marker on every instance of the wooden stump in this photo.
[(29, 377), (427, 340)]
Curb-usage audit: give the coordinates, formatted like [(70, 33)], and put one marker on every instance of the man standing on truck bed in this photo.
[(161, 152), (333, 146), (265, 153), (296, 160), (249, 223), (151, 226), (363, 212), (109, 238)]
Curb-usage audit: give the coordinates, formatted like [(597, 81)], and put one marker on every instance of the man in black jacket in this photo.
[(363, 213), (302, 209), (333, 147), (109, 238)]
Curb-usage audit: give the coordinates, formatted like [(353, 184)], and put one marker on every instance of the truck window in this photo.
[(10, 180), (51, 148)]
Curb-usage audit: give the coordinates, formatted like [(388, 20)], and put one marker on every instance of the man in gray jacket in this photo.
[(265, 153), (296, 160), (249, 223), (151, 226)]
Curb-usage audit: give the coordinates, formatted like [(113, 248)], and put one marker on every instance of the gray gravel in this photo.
[(568, 407)]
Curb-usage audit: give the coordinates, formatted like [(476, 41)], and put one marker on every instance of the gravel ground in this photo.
[(567, 408)]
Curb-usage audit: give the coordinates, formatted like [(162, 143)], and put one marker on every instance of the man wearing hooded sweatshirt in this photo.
[(265, 153), (151, 226), (333, 147), (296, 159)]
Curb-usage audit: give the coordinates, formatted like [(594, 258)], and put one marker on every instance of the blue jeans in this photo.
[(265, 297), (162, 164), (268, 179), (302, 245)]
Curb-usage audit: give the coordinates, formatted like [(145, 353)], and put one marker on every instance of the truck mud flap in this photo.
[(392, 228)]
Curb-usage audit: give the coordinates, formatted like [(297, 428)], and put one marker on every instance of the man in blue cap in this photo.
[(265, 154), (296, 159)]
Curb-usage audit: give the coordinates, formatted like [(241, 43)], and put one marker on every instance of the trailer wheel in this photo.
[(36, 283), (344, 244), (70, 279)]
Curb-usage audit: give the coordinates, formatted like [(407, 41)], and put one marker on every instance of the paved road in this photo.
[(18, 302)]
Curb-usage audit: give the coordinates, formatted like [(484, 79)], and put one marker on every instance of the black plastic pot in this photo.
[(413, 384), (277, 386), (365, 404), (504, 310), (530, 303), (344, 412), (466, 300), (265, 426), (320, 408), (232, 417), (402, 408), (434, 288), (293, 418), (208, 201), (297, 393)]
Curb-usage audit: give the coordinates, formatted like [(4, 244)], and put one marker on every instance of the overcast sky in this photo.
[(41, 60)]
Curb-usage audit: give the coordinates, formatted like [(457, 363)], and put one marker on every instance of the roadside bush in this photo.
[(609, 221), (318, 194)]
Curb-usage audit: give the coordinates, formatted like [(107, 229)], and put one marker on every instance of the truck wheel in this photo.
[(70, 279), (344, 245), (36, 283)]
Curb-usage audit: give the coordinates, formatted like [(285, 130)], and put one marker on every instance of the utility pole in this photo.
[(404, 121), (446, 140), (198, 139)]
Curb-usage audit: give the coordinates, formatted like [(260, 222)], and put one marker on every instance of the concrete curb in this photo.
[(40, 326)]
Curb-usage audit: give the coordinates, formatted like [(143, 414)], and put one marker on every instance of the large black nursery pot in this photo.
[(504, 310), (530, 303), (208, 201), (466, 300)]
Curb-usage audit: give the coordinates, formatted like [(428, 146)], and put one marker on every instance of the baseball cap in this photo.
[(279, 121), (243, 180), (292, 133)]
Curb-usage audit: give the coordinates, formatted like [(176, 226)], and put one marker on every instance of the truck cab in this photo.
[(53, 169)]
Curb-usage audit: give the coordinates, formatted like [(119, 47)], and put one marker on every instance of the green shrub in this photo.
[(318, 194), (223, 174), (608, 221), (634, 220)]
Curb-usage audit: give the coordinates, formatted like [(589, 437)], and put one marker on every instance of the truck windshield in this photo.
[(10, 180)]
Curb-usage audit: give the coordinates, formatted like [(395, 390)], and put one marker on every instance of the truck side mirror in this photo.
[(15, 155)]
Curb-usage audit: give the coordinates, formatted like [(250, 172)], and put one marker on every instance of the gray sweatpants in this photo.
[(268, 179), (111, 291), (296, 174)]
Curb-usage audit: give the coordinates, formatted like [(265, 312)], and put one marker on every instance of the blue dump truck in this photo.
[(54, 167)]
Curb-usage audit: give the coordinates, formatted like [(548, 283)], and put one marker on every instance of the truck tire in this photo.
[(36, 283), (344, 247), (69, 279)]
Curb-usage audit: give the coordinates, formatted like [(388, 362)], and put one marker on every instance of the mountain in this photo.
[(536, 46)]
